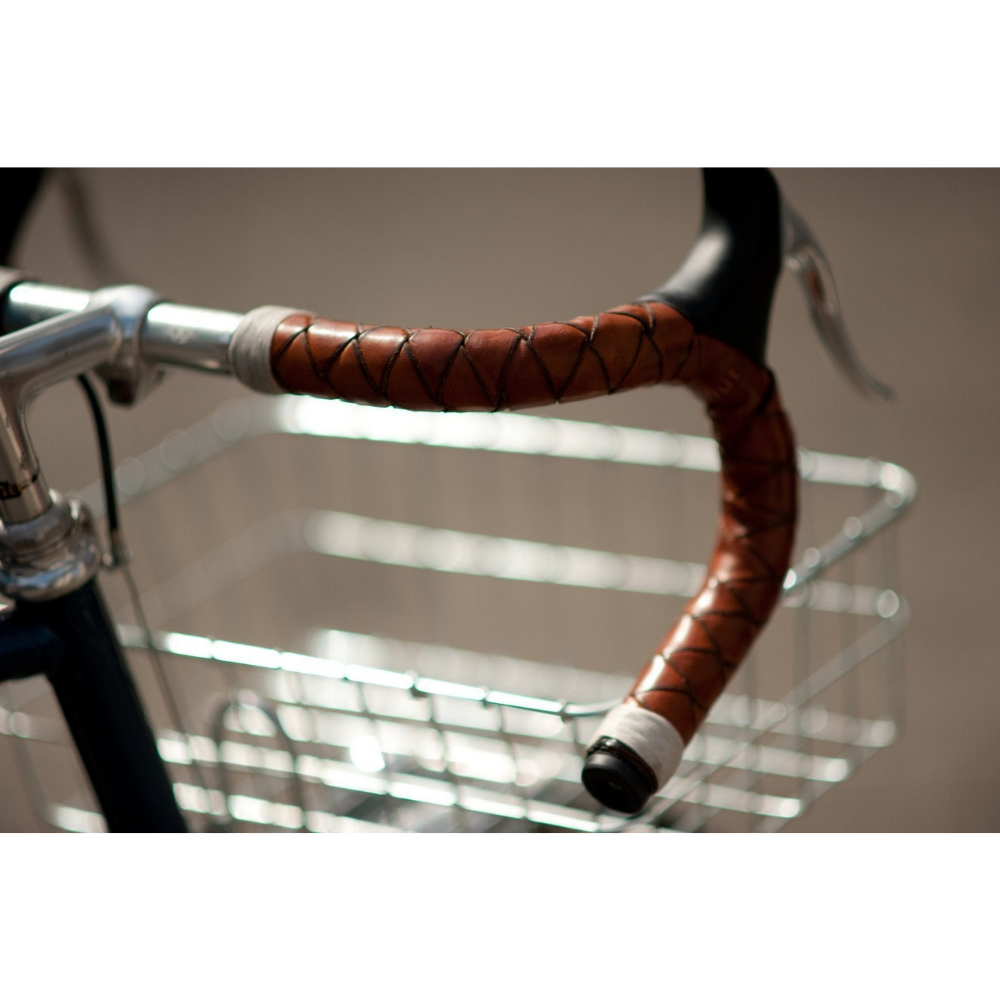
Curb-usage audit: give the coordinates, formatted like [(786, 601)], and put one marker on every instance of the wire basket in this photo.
[(375, 620)]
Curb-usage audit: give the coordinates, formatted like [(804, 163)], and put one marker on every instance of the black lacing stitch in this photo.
[(638, 349), (541, 364), (779, 522), (710, 636), (773, 574), (689, 688), (286, 345), (459, 345), (363, 365), (584, 344), (735, 440), (576, 326), (390, 364), (770, 471), (649, 331), (419, 371), (336, 355), (307, 347), (494, 403), (735, 595), (757, 623), (597, 354), (768, 467), (502, 387), (777, 519), (712, 654)]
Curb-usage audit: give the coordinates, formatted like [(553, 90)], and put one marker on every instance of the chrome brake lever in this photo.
[(804, 257)]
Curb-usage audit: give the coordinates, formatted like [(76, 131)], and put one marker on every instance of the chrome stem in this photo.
[(30, 360), (170, 334), (48, 547)]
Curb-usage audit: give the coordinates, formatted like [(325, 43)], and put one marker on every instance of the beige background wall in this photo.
[(915, 255)]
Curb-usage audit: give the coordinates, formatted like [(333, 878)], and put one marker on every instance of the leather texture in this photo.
[(642, 343)]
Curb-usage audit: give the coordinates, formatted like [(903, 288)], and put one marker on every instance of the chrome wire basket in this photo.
[(376, 620)]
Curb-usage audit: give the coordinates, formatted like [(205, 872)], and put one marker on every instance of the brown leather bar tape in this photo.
[(436, 369), (638, 344)]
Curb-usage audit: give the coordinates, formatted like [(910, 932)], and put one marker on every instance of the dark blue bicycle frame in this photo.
[(71, 641)]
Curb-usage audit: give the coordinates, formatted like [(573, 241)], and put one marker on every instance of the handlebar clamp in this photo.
[(128, 376)]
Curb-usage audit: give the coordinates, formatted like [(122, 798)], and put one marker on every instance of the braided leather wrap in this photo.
[(638, 344)]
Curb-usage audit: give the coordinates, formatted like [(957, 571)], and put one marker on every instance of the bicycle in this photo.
[(706, 327)]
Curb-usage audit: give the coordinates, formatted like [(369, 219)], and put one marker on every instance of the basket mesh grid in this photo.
[(430, 642)]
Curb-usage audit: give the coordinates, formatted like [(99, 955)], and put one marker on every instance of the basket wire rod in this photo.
[(690, 819), (752, 779), (445, 750), (231, 690), (434, 614), (217, 729), (522, 806), (25, 764), (270, 709), (518, 788), (239, 420), (770, 823), (751, 771), (233, 560), (387, 801), (851, 698), (893, 653), (242, 701), (293, 685), (261, 657), (803, 636), (869, 643), (845, 541), (342, 535), (541, 813), (795, 719), (173, 696)]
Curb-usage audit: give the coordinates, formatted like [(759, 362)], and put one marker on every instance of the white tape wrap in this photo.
[(653, 738), (250, 347)]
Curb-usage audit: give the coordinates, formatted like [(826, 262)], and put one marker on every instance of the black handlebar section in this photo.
[(19, 188), (726, 284)]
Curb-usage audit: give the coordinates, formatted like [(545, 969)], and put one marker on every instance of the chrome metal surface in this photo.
[(129, 375), (345, 534), (30, 360), (170, 334), (377, 732), (30, 303), (51, 555), (370, 727), (507, 433), (189, 337), (804, 257)]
